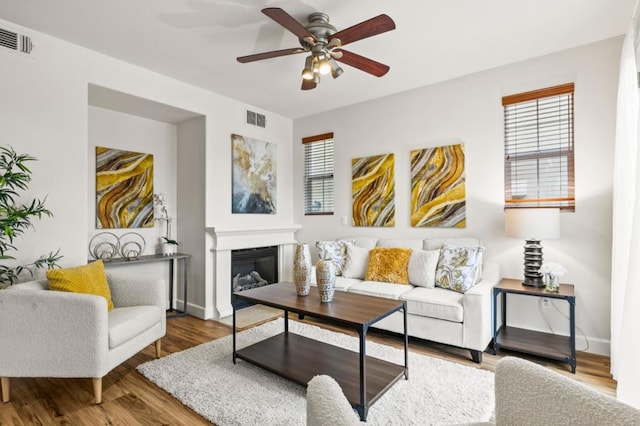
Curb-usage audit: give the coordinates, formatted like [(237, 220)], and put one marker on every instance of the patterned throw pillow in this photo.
[(335, 251), (389, 265), (88, 279), (458, 267)]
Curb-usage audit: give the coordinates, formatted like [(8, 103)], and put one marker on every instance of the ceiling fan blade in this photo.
[(374, 26), (267, 55), (362, 63), (288, 21), (308, 85)]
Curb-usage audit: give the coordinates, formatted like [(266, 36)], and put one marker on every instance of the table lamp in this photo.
[(533, 224)]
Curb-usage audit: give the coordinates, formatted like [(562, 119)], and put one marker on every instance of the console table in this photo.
[(173, 264)]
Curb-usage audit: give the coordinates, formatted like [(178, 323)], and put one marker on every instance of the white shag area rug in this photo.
[(205, 379)]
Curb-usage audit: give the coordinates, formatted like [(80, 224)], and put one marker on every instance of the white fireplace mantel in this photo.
[(226, 239), (235, 238)]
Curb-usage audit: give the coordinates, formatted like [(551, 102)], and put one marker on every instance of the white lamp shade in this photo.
[(540, 223)]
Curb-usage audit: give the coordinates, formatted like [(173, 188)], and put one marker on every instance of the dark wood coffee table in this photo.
[(363, 378)]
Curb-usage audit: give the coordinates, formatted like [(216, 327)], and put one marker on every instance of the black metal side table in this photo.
[(531, 342)]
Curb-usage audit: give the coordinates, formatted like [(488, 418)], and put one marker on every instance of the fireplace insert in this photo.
[(251, 268)]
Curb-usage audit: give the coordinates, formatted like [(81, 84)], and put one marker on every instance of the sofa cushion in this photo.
[(380, 289), (435, 303), (389, 265), (422, 267), (413, 244), (458, 267), (364, 242), (342, 283), (356, 262), (334, 251), (126, 323), (437, 243), (87, 279)]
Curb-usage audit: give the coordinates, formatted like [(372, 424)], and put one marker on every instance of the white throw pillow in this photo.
[(422, 267), (356, 262)]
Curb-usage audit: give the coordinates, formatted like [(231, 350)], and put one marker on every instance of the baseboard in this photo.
[(196, 310), (596, 346)]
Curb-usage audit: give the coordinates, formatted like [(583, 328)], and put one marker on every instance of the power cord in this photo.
[(540, 301)]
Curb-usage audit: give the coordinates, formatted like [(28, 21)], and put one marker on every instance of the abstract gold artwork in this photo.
[(438, 187), (254, 176), (124, 189), (373, 191)]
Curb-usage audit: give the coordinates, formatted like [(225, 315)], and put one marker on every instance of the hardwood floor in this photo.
[(129, 399)]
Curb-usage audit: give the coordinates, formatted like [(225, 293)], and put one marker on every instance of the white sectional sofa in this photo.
[(436, 314)]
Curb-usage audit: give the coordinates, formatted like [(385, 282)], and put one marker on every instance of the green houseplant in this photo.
[(16, 215)]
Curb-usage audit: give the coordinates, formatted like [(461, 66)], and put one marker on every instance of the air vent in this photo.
[(256, 119), (19, 43)]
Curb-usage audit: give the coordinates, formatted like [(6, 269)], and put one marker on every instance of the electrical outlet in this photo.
[(546, 303)]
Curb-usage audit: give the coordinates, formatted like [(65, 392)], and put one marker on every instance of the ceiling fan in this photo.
[(324, 44)]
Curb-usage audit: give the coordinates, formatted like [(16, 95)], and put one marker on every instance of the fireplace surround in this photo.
[(225, 239)]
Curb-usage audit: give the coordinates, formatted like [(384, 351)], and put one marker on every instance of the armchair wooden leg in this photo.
[(97, 389), (158, 348), (6, 383)]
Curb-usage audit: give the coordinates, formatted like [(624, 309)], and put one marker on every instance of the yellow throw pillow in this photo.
[(389, 265), (87, 279)]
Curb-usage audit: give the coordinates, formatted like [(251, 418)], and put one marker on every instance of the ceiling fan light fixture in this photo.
[(324, 67), (307, 72), (323, 43), (336, 71)]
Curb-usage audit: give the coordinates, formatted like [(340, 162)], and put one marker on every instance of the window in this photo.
[(538, 148), (318, 174)]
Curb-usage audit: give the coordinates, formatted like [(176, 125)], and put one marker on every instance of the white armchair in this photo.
[(525, 394), (60, 334)]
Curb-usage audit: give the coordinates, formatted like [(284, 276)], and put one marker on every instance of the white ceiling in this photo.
[(197, 41)]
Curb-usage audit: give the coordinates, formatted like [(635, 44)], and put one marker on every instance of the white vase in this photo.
[(326, 279), (169, 249), (302, 269)]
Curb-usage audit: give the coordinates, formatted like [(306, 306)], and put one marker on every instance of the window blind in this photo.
[(539, 148), (318, 174)]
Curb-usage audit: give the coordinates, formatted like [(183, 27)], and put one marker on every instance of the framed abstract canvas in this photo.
[(124, 189), (373, 191), (254, 176), (438, 190)]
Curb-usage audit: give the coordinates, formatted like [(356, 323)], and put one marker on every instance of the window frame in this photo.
[(561, 151), (309, 180)]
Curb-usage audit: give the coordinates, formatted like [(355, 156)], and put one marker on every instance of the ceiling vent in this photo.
[(256, 119), (19, 43)]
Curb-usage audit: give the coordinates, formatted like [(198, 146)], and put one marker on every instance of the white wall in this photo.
[(117, 130), (191, 205), (44, 112), (468, 110)]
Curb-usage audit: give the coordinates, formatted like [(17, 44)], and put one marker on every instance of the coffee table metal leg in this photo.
[(286, 321), (406, 343), (362, 407), (234, 335)]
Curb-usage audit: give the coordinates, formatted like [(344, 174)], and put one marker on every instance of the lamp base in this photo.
[(532, 263)]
